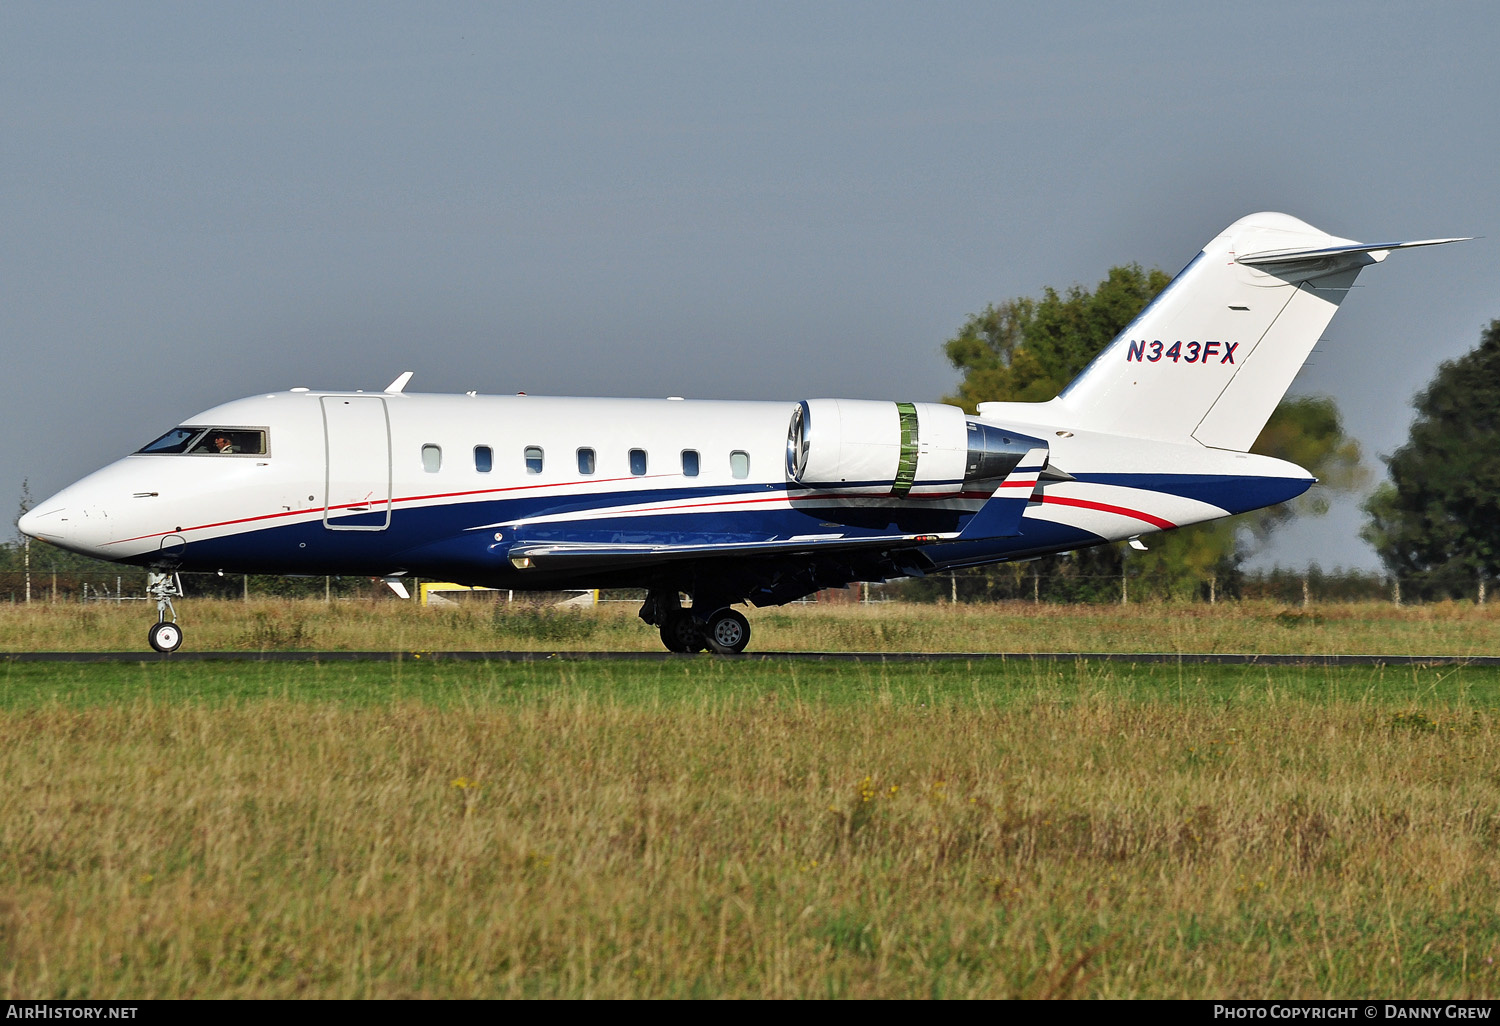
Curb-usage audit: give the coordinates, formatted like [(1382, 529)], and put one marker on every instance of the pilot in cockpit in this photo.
[(224, 445)]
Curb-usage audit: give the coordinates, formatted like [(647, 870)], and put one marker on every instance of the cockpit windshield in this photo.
[(176, 440), (209, 441)]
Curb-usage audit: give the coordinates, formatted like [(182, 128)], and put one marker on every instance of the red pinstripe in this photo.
[(1104, 507), (1059, 500)]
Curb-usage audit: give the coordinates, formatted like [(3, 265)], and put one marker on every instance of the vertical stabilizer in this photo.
[(1211, 357)]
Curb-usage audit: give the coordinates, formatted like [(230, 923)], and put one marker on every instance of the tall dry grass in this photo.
[(1449, 628), (554, 832)]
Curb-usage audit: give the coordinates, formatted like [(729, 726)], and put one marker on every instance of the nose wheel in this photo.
[(165, 636)]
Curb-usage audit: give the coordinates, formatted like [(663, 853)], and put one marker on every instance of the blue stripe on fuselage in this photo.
[(1228, 492), (441, 540)]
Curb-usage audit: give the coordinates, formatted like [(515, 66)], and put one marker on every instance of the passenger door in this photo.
[(357, 487)]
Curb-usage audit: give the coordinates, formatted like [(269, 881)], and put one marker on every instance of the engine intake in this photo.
[(886, 448)]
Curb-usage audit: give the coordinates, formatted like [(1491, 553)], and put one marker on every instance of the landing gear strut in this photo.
[(165, 636)]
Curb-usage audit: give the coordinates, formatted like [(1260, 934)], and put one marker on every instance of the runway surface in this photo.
[(1185, 659)]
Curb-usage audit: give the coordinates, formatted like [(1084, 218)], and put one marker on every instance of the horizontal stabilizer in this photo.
[(1000, 517), (1377, 251)]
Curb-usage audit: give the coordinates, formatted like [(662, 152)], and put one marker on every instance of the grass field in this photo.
[(1449, 628), (709, 827)]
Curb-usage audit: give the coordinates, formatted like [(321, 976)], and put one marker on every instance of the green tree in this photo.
[(1027, 350), (1305, 430), (1436, 523)]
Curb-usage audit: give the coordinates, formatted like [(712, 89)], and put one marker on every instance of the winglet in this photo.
[(1000, 516), (399, 385)]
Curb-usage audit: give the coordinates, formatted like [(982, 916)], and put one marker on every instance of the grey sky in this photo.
[(203, 201)]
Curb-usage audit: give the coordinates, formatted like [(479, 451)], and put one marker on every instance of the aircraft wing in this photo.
[(578, 555), (999, 517)]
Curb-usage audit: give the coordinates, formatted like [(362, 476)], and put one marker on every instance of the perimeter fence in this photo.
[(1004, 584)]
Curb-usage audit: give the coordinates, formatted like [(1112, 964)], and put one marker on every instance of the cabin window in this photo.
[(533, 459), (690, 463), (484, 459), (739, 464), (638, 462), (586, 461), (432, 458)]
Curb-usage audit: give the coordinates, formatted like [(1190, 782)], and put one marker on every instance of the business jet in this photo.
[(735, 502)]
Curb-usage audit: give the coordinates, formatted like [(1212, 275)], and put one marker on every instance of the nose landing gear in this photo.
[(165, 636)]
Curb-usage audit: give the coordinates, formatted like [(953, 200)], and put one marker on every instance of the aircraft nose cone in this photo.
[(81, 529), (31, 522)]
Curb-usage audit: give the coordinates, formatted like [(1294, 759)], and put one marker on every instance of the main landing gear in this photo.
[(165, 636), (725, 630)]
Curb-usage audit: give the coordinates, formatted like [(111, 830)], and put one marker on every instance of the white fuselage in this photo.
[(386, 484), (738, 501)]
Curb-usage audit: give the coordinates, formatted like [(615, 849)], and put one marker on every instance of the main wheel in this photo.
[(728, 632), (681, 633), (165, 636)]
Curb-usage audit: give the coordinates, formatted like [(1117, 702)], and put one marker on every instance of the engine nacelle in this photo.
[(886, 448)]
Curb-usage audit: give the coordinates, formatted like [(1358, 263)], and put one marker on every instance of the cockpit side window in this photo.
[(219, 441)]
